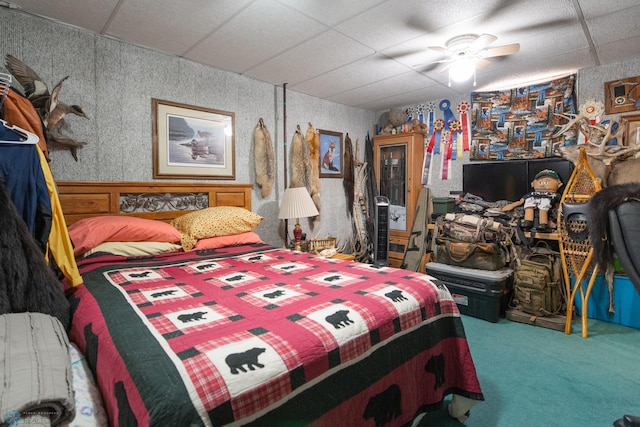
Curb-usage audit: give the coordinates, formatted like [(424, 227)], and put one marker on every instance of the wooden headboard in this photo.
[(154, 200)]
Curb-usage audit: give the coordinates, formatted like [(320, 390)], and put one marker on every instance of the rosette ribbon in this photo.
[(434, 143), (463, 109), (456, 139), (446, 155), (420, 110)]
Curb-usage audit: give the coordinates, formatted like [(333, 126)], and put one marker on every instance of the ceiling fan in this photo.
[(466, 53)]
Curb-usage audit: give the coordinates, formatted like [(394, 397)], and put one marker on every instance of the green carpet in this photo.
[(537, 377)]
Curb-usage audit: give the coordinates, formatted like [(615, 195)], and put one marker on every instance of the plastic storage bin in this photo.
[(478, 293), (626, 302), (442, 205)]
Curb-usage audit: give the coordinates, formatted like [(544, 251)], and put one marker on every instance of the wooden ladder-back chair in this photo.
[(575, 246)]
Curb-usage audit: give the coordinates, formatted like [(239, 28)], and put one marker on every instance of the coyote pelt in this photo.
[(348, 178), (300, 163), (264, 157), (313, 138), (27, 283)]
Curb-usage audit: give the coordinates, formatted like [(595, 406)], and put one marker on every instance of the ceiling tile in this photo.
[(621, 50), (89, 14), (169, 26), (617, 25), (258, 33), (338, 11), (351, 76), (403, 83), (318, 55)]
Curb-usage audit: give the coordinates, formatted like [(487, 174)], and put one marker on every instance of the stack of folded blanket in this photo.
[(35, 370)]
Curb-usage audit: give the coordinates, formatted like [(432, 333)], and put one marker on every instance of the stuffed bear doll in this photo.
[(544, 196)]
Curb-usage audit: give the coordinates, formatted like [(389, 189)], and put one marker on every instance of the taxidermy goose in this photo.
[(51, 110)]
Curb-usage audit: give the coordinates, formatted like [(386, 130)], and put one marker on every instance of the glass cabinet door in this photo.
[(393, 183)]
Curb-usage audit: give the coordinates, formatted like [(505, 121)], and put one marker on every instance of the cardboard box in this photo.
[(478, 293), (626, 302)]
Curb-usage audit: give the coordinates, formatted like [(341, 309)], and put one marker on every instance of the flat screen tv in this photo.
[(508, 180)]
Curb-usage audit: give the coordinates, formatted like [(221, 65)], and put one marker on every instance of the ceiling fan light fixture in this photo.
[(462, 70)]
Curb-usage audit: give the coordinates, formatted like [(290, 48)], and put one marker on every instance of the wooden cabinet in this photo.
[(398, 166)]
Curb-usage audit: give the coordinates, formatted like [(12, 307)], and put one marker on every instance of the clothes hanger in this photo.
[(12, 134), (16, 135)]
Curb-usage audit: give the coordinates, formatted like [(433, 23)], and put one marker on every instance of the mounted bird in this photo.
[(51, 110)]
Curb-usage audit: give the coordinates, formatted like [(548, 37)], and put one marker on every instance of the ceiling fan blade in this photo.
[(481, 63), (445, 68), (404, 53), (508, 49), (433, 64), (440, 49), (547, 26), (481, 42), (421, 23), (425, 68)]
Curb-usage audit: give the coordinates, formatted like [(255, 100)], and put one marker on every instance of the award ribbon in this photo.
[(455, 129), (463, 109), (436, 138), (446, 155)]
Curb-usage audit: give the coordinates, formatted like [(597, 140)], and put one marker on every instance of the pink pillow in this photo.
[(88, 233), (246, 238)]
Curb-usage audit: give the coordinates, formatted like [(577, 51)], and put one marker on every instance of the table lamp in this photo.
[(297, 203)]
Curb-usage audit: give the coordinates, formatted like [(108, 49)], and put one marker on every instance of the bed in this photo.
[(249, 334)]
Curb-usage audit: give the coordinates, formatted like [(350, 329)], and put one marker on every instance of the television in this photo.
[(509, 179)]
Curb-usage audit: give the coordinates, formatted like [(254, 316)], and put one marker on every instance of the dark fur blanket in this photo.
[(27, 283), (598, 214)]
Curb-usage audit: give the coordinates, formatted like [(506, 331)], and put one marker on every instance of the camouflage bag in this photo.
[(538, 287)]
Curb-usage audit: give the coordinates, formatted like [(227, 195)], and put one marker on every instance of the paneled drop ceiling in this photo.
[(370, 54)]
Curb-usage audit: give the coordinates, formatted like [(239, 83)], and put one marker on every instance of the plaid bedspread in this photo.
[(254, 334)]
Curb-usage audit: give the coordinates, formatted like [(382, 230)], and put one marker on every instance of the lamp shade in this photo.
[(297, 203)]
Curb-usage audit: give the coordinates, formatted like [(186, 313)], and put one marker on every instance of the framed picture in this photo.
[(331, 160), (621, 96), (632, 129), (192, 142)]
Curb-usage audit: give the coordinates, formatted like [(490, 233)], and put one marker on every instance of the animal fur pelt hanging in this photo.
[(264, 158), (348, 178), (301, 164), (313, 139), (598, 218), (27, 283)]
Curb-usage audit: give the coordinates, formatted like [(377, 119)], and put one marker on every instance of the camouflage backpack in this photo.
[(538, 286)]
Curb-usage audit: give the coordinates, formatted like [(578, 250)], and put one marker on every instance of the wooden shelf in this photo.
[(553, 235)]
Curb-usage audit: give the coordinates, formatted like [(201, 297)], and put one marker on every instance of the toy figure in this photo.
[(544, 195), (418, 127)]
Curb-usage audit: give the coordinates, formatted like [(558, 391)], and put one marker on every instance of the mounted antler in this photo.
[(598, 136), (612, 164)]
